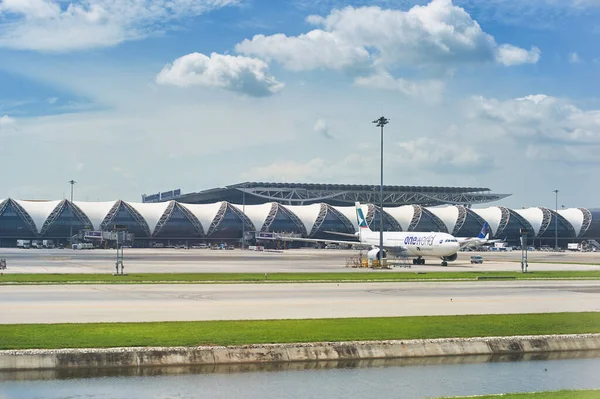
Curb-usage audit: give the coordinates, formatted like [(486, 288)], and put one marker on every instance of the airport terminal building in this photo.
[(222, 215)]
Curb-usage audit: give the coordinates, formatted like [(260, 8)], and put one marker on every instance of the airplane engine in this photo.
[(450, 258), (373, 254)]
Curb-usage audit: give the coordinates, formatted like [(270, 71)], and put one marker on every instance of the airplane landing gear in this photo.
[(444, 263), (418, 261)]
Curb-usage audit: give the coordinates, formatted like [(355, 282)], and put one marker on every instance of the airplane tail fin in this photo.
[(483, 234), (362, 220)]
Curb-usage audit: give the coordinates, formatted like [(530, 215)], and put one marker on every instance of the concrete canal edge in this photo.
[(39, 359)]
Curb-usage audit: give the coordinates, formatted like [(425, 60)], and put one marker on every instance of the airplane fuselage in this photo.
[(432, 244)]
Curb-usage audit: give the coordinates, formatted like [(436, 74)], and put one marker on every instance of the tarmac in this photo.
[(167, 260), (180, 302), (187, 302)]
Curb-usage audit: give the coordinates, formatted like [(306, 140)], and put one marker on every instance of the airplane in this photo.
[(482, 239), (443, 246)]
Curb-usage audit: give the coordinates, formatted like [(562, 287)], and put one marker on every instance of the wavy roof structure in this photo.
[(308, 219)]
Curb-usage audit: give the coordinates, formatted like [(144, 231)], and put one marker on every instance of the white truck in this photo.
[(83, 245), (573, 246), (25, 244)]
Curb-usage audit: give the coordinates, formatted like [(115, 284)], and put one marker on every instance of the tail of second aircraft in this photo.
[(362, 220), (483, 234)]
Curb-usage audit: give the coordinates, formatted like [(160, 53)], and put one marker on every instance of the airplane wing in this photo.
[(342, 234), (314, 240), (274, 237), (465, 242)]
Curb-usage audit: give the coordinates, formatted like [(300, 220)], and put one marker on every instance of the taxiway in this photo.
[(138, 303)]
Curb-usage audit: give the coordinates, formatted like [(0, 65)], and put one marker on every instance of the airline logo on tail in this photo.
[(484, 231), (362, 221)]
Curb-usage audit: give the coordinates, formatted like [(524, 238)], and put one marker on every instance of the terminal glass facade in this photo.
[(12, 225), (283, 223), (593, 232), (124, 217), (65, 223), (429, 222), (230, 226), (512, 230), (389, 223), (177, 226), (472, 225), (333, 222), (563, 230)]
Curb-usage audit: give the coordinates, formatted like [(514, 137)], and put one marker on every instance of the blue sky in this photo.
[(141, 96)]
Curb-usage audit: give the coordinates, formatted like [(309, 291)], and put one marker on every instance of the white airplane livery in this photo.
[(442, 246), (482, 239)]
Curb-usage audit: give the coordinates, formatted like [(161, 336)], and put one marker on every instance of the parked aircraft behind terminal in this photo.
[(443, 246), (482, 239)]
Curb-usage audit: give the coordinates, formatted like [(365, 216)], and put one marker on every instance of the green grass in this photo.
[(565, 394), (154, 278), (102, 335)]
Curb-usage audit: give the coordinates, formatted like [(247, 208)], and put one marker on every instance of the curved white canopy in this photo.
[(95, 211), (573, 216), (205, 213), (534, 216), (402, 214), (492, 215), (151, 212), (256, 213), (448, 215), (38, 211), (306, 213), (350, 213)]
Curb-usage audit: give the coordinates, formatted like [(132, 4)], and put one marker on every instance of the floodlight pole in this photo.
[(243, 217), (556, 221), (72, 183), (381, 122)]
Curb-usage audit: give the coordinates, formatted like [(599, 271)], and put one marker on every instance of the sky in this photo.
[(134, 97)]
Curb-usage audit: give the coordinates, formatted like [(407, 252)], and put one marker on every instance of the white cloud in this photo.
[(54, 26), (574, 58), (288, 171), (544, 125), (313, 50), (438, 33), (510, 55), (6, 120), (428, 90), (245, 75), (8, 127), (322, 128), (442, 156)]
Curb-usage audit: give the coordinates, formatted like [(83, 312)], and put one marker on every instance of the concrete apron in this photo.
[(38, 359)]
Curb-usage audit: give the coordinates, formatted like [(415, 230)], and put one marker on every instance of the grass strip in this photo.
[(563, 394), (383, 275), (102, 335)]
